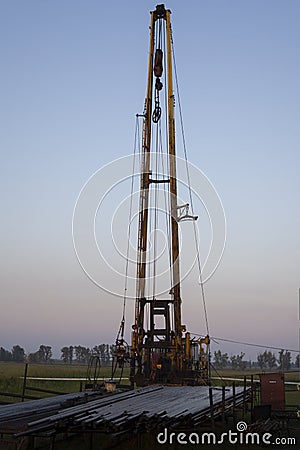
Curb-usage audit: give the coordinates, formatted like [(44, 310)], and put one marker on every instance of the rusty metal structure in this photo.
[(272, 390), (163, 353)]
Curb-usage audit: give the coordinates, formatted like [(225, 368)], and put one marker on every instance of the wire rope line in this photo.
[(136, 141), (189, 187), (167, 198), (250, 344)]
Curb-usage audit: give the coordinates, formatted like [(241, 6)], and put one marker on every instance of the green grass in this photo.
[(230, 373), (11, 378)]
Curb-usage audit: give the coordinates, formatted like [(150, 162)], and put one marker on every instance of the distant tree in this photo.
[(104, 351), (45, 353), (237, 361), (109, 353), (42, 355), (67, 354), (18, 353), (271, 360), (220, 359), (5, 355), (262, 361), (297, 361), (284, 360), (266, 360), (233, 362), (82, 354), (112, 349)]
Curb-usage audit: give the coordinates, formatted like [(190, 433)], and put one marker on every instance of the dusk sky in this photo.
[(73, 77)]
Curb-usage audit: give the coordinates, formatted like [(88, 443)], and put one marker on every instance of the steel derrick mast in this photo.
[(164, 353)]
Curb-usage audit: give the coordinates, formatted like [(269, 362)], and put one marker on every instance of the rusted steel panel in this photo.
[(272, 390)]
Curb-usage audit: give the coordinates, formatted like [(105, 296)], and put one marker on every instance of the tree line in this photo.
[(266, 360), (17, 354), (70, 354), (82, 354)]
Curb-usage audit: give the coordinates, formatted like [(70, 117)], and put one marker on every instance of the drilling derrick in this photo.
[(165, 353)]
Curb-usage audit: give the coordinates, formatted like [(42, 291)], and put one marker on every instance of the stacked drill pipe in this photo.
[(144, 409), (15, 416)]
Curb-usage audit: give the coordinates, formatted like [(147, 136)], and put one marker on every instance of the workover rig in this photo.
[(164, 353)]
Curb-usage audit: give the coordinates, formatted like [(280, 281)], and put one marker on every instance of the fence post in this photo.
[(252, 397), (244, 396), (233, 401), (24, 381), (223, 404), (211, 404)]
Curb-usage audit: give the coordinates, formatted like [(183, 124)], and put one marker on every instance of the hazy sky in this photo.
[(73, 76)]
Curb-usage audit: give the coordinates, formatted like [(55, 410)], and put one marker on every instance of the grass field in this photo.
[(11, 379), (12, 374)]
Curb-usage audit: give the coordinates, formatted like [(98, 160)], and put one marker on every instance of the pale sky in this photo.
[(73, 77)]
